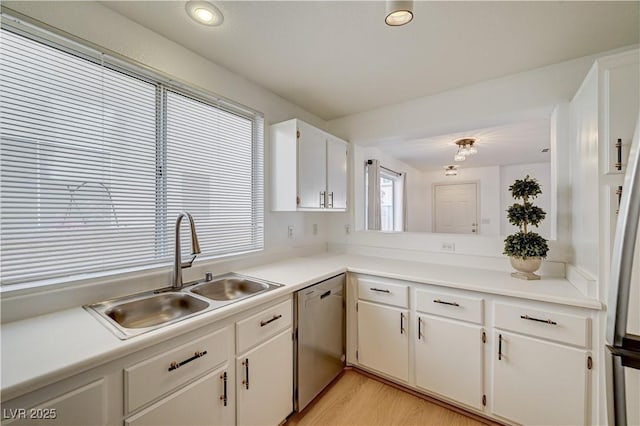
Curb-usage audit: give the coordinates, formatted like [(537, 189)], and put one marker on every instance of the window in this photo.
[(97, 159), (384, 198)]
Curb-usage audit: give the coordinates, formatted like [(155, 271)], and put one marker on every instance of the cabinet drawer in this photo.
[(560, 327), (152, 378), (382, 292), (464, 308), (263, 325)]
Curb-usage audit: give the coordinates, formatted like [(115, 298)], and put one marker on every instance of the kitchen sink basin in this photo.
[(133, 315), (155, 310), (229, 288)]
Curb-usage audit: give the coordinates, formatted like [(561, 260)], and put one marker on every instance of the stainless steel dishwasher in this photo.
[(320, 338)]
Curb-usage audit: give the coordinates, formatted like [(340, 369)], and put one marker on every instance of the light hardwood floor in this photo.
[(355, 399)]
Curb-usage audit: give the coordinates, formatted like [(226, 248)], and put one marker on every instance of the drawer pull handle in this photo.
[(380, 290), (175, 365), (446, 303), (325, 294), (245, 382), (275, 317), (223, 377), (547, 321), (500, 347)]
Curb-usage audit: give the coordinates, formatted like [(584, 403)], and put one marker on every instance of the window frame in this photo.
[(56, 39)]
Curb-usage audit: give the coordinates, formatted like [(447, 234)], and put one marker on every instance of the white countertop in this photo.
[(41, 350)]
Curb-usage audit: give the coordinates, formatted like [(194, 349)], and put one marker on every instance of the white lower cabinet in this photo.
[(84, 406), (207, 401), (449, 359), (539, 382), (265, 382), (383, 339)]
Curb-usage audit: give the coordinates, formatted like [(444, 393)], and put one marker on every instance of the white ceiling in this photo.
[(517, 143), (337, 58)]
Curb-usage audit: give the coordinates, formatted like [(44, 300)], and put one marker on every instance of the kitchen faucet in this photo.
[(178, 264)]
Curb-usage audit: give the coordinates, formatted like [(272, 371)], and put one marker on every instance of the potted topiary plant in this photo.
[(525, 249)]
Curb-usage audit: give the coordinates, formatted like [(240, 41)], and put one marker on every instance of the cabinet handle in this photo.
[(380, 290), (401, 323), (245, 382), (323, 199), (547, 321), (419, 328), (175, 365), (325, 294), (500, 347), (331, 199), (275, 317), (223, 377), (446, 303)]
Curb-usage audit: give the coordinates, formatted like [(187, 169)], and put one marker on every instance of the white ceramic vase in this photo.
[(526, 266)]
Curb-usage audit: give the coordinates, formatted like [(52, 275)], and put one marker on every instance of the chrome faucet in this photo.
[(178, 264)]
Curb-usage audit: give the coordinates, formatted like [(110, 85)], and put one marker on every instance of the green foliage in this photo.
[(525, 243), (525, 188), (519, 214)]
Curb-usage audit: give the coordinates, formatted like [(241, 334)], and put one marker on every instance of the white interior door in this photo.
[(456, 208)]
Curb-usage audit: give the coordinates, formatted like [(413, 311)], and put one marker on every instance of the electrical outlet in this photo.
[(315, 229), (290, 231), (347, 229), (448, 247)]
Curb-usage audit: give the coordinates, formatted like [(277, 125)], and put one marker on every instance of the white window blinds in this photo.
[(95, 164)]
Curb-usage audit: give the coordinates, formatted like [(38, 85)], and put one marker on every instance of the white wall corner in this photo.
[(582, 280)]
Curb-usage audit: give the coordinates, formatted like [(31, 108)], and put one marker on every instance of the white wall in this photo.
[(542, 173)]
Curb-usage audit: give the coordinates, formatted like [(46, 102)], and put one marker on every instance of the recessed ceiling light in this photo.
[(399, 12), (204, 13)]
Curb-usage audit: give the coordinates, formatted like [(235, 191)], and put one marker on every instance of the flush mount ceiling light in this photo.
[(204, 13), (451, 170), (465, 148), (399, 12)]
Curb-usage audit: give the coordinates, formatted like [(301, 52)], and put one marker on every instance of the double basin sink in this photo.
[(133, 315)]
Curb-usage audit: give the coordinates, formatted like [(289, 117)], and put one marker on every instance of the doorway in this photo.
[(455, 208)]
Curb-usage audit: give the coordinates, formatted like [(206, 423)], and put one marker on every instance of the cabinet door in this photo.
[(312, 164), (336, 174), (200, 403), (539, 382), (449, 359), (265, 382), (83, 407), (383, 339)]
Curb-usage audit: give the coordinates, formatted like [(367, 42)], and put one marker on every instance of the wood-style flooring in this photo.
[(355, 399)]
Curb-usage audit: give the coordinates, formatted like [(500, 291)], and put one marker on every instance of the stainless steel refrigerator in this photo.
[(623, 304)]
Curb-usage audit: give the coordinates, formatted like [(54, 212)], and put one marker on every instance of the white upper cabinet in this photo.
[(308, 168)]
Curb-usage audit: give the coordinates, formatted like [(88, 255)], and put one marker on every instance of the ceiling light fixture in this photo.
[(399, 12), (451, 170), (466, 147), (204, 13)]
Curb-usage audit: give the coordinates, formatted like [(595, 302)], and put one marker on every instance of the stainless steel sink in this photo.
[(132, 315), (137, 314), (229, 288), (155, 310)]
